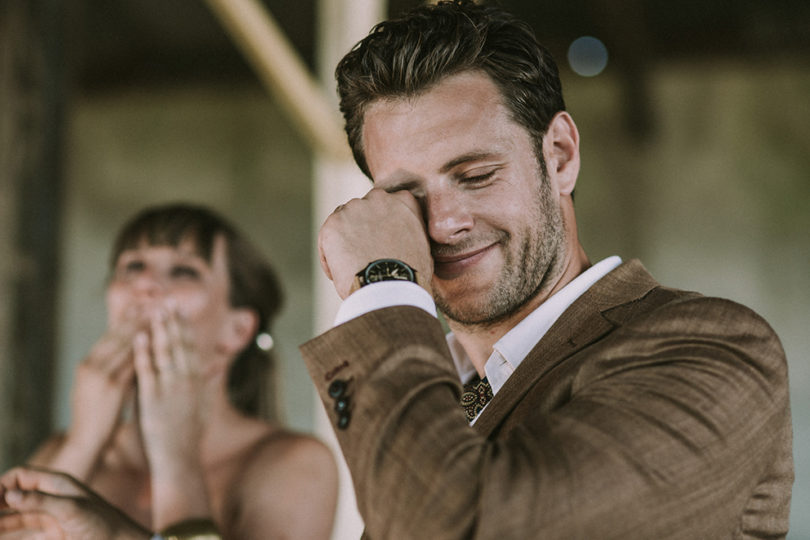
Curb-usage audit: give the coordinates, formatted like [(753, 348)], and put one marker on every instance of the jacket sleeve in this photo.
[(663, 429)]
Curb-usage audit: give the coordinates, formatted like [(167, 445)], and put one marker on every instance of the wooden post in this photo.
[(341, 23), (8, 218), (31, 111), (314, 112)]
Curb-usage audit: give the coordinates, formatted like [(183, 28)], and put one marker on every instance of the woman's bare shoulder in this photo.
[(286, 487), (280, 449)]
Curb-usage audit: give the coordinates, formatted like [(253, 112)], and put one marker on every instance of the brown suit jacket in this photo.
[(644, 412)]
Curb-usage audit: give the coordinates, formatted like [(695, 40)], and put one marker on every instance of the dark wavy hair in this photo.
[(253, 285), (406, 56)]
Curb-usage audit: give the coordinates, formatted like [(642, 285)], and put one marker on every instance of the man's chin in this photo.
[(470, 314)]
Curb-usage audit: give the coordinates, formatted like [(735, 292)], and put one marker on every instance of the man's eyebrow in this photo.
[(406, 185), (464, 158)]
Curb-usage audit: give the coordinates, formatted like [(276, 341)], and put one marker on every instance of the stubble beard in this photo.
[(525, 274)]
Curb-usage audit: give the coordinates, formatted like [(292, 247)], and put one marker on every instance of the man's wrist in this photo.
[(381, 295)]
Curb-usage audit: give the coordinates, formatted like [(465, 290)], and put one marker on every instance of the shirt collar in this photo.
[(515, 345)]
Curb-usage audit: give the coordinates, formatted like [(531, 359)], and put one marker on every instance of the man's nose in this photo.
[(448, 217)]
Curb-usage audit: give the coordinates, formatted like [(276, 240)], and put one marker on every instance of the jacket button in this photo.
[(337, 389), (343, 420), (342, 405)]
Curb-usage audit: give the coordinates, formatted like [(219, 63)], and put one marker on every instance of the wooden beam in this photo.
[(283, 73)]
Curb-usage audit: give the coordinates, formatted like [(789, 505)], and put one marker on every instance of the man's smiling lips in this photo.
[(450, 266)]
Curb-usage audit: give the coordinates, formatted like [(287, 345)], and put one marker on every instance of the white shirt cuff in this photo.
[(381, 295)]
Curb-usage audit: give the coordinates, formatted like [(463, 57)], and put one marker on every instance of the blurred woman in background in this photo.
[(190, 303)]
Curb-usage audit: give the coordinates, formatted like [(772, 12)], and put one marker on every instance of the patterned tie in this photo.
[(477, 393)]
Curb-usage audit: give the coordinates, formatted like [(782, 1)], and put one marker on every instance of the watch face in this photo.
[(388, 269)]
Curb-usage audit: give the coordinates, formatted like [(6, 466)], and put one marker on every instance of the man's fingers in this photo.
[(322, 257), (410, 202)]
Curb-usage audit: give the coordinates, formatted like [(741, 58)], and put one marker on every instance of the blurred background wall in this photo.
[(695, 136)]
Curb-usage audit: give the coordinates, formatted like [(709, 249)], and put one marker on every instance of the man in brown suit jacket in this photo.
[(621, 408)]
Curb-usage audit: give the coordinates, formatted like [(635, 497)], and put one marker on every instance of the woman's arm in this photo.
[(170, 389), (103, 380)]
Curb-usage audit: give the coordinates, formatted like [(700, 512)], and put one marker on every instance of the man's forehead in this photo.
[(439, 131)]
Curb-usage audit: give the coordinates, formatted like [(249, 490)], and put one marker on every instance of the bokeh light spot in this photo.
[(587, 56)]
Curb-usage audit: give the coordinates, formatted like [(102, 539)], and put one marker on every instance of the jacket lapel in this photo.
[(583, 323)]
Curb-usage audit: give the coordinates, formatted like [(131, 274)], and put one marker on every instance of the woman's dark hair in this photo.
[(253, 285), (407, 56)]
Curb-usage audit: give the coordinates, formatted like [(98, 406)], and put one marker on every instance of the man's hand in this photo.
[(381, 225), (37, 503)]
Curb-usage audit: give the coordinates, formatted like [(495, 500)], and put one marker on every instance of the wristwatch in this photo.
[(385, 270)]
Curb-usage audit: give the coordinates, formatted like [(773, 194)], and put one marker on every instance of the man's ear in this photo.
[(240, 328), (561, 152)]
